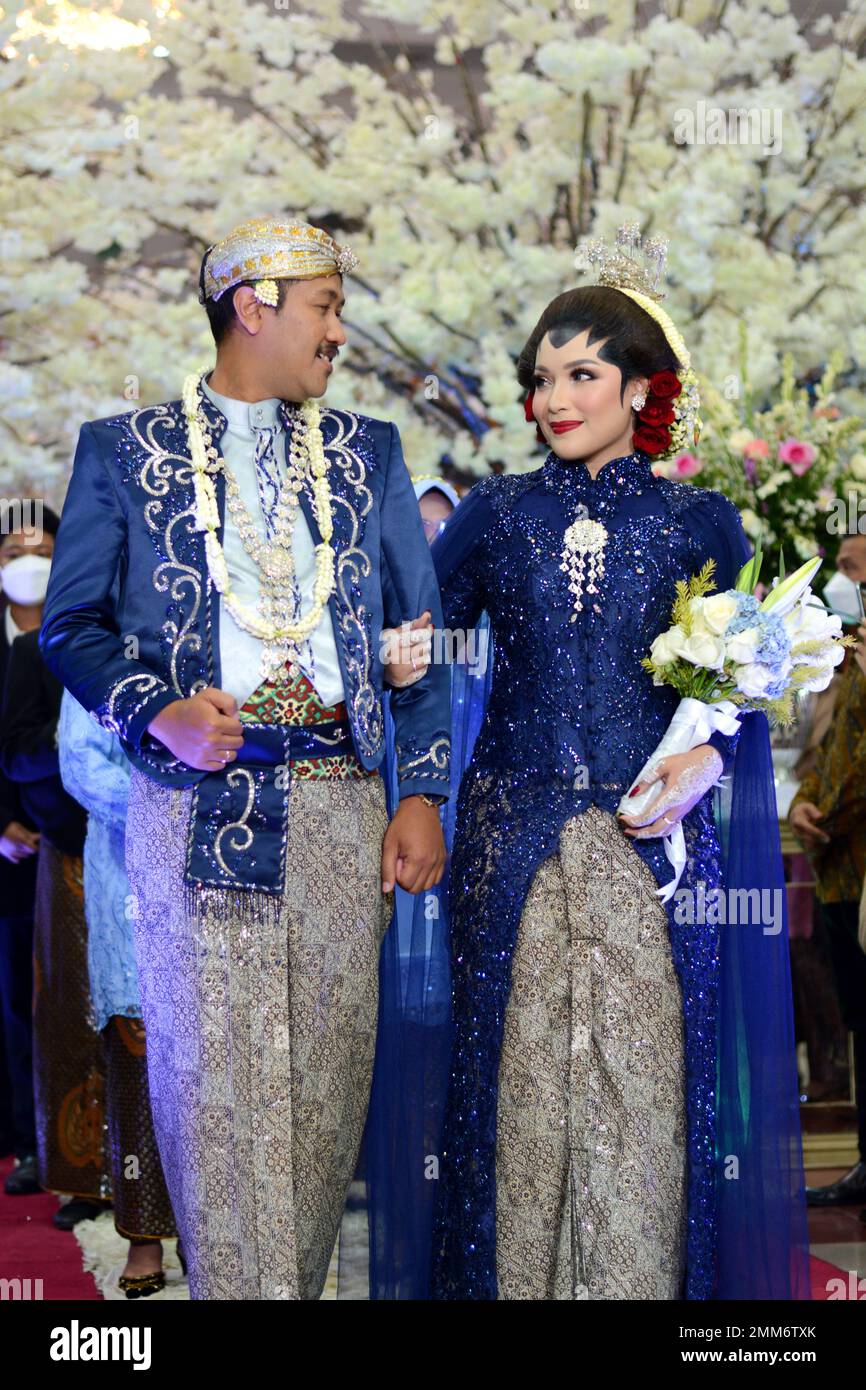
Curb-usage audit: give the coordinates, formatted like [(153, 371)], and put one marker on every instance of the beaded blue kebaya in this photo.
[(572, 717)]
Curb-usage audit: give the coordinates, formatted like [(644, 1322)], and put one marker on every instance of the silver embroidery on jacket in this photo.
[(107, 714), (437, 754), (352, 565), (162, 473)]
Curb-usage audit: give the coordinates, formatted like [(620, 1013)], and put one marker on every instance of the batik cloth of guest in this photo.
[(142, 1207), (837, 786), (68, 1056), (570, 718), (260, 1013)]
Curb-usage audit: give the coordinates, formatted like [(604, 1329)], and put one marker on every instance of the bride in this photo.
[(622, 1118)]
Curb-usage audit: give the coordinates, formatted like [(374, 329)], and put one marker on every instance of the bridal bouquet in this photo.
[(726, 654)]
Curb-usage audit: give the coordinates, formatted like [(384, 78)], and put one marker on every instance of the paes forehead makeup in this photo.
[(563, 333)]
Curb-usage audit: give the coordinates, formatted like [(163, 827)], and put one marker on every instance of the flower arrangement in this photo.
[(466, 208), (791, 468)]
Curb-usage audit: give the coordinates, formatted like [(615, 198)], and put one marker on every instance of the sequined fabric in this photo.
[(68, 1058), (261, 1020), (590, 1148), (142, 1208), (572, 717)]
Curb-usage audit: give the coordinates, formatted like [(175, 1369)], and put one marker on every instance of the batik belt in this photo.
[(239, 817)]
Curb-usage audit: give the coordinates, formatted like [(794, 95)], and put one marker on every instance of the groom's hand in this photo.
[(203, 730), (413, 850)]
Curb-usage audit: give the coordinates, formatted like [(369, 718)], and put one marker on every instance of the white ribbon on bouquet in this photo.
[(692, 723)]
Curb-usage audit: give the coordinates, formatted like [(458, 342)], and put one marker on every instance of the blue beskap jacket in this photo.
[(131, 618)]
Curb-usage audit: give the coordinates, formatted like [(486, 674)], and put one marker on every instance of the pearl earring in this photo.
[(638, 401)]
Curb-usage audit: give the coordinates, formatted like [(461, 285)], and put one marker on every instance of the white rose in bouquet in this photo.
[(742, 646), (666, 647), (718, 610), (754, 680), (815, 635), (703, 649), (697, 621), (809, 622), (826, 662)]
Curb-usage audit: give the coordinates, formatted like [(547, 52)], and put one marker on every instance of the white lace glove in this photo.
[(685, 777)]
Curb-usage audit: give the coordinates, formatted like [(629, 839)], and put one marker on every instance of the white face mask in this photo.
[(843, 597), (25, 579)]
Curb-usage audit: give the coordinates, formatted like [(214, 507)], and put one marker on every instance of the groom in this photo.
[(224, 567)]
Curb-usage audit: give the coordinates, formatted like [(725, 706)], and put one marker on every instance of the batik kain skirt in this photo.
[(591, 1125), (260, 1011), (142, 1208), (68, 1057)]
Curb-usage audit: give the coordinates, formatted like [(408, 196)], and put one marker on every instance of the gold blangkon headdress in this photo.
[(268, 249)]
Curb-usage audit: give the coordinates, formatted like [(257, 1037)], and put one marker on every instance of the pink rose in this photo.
[(800, 456), (686, 466), (756, 449)]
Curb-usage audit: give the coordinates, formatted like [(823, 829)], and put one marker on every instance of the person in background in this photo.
[(860, 658), (25, 563), (828, 816), (68, 1065), (96, 772), (436, 501)]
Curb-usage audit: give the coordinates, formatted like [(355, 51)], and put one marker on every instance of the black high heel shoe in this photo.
[(180, 1255)]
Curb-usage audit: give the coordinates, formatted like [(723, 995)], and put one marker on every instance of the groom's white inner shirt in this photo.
[(240, 651)]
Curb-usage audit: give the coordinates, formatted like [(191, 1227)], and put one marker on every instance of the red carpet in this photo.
[(32, 1248), (821, 1273)]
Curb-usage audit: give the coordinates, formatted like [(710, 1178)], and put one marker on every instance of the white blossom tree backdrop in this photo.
[(463, 148)]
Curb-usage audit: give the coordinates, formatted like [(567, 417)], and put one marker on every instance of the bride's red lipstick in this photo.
[(563, 425)]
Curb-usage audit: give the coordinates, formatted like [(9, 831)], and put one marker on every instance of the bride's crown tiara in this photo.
[(631, 263), (636, 268)]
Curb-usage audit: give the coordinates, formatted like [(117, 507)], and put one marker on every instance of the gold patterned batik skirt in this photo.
[(68, 1058), (261, 1013), (142, 1209), (591, 1125)]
